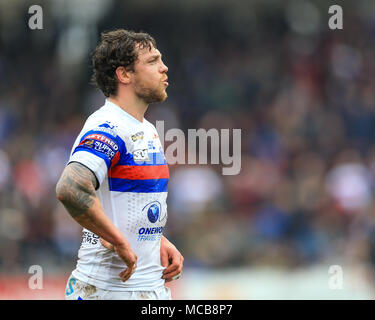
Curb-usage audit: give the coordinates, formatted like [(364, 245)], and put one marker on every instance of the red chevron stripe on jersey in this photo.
[(139, 172)]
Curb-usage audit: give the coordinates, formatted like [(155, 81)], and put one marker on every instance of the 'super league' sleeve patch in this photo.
[(100, 144)]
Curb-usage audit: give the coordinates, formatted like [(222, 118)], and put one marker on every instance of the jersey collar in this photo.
[(121, 112)]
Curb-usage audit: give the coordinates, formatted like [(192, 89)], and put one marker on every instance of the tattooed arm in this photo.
[(76, 191)]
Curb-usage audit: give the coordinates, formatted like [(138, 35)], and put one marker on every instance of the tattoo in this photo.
[(76, 189)]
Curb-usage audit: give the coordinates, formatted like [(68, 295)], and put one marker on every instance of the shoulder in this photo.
[(101, 121), (101, 127), (150, 126), (101, 118)]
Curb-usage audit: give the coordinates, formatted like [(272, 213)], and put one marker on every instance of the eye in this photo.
[(154, 59)]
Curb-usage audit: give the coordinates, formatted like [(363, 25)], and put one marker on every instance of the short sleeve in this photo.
[(99, 148)]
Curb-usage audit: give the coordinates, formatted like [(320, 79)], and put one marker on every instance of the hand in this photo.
[(171, 259), (126, 254)]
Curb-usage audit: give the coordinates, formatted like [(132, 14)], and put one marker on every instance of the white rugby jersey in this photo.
[(127, 158)]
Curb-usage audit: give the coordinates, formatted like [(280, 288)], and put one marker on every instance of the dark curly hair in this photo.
[(116, 48)]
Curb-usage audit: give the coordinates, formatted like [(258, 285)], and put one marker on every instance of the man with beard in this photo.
[(116, 181)]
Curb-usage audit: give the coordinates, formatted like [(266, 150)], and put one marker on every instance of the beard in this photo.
[(149, 95)]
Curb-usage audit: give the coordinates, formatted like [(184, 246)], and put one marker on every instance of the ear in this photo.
[(123, 76)]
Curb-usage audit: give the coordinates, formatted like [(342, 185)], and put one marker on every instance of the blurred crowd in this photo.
[(303, 96)]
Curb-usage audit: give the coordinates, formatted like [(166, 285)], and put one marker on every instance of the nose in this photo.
[(164, 68)]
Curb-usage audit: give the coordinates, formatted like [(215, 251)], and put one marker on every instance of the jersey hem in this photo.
[(100, 284)]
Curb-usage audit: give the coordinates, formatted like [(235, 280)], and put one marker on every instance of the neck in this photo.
[(135, 107)]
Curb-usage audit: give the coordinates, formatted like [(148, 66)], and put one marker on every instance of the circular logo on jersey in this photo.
[(153, 213)]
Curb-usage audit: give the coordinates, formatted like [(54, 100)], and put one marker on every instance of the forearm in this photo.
[(165, 241), (76, 191), (95, 220)]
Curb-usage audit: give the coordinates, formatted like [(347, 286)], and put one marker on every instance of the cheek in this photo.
[(148, 79)]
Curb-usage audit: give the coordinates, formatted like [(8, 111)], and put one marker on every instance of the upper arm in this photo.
[(98, 148), (76, 183)]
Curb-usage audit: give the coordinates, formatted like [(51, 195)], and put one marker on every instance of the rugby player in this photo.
[(116, 181)]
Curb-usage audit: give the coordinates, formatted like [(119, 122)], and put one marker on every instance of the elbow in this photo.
[(60, 193), (60, 197)]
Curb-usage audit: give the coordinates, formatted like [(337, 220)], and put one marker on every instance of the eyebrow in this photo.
[(155, 56)]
